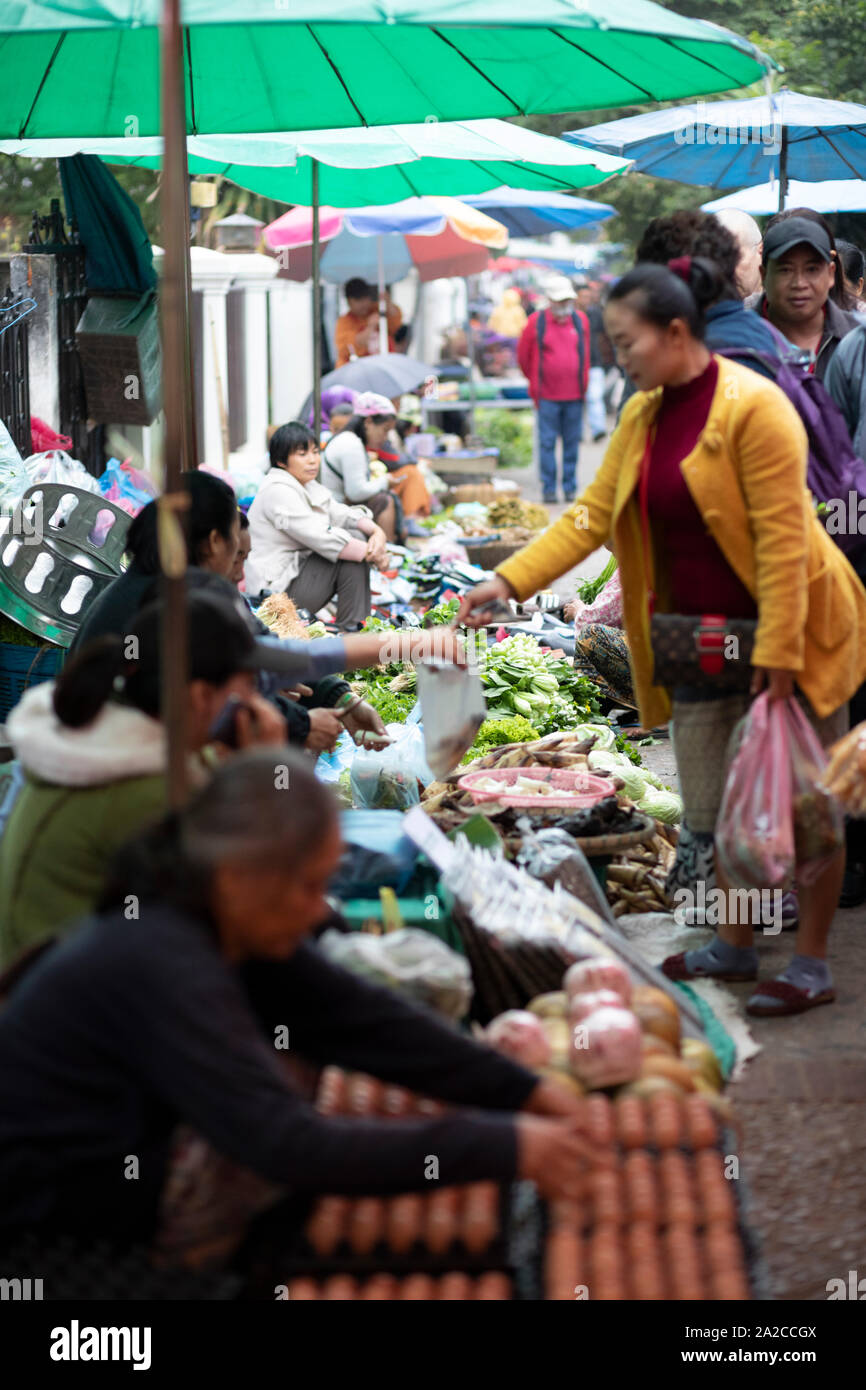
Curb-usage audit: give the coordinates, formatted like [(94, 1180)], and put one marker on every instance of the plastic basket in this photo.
[(576, 789), (21, 667)]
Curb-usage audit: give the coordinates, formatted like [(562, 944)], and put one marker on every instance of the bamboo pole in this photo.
[(317, 307), (177, 397)]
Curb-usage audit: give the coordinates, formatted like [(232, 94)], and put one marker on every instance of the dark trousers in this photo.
[(319, 580)]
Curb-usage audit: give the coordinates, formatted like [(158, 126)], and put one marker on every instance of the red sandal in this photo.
[(676, 969), (791, 999)]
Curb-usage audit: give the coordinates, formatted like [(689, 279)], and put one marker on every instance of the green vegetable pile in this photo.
[(519, 679), (441, 614), (494, 732)]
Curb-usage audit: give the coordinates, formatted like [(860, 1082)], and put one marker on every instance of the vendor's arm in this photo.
[(579, 531), (180, 1020), (337, 1017)]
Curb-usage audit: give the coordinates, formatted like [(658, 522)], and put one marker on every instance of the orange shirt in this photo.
[(351, 327)]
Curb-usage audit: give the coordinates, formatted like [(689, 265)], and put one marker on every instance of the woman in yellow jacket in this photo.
[(732, 531)]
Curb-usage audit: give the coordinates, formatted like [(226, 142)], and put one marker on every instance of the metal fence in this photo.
[(14, 372), (48, 235)]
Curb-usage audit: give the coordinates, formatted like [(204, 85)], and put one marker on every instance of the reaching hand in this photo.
[(780, 684), (364, 719), (480, 600), (325, 728)]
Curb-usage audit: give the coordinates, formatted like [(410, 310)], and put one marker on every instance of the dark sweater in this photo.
[(126, 1028), (701, 580)]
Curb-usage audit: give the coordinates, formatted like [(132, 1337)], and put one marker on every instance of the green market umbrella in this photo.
[(73, 67), (360, 167)]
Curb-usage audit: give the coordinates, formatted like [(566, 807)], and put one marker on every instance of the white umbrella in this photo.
[(835, 195)]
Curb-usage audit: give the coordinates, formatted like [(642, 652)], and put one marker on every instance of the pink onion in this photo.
[(606, 1048), (582, 1005), (586, 976), (519, 1035)]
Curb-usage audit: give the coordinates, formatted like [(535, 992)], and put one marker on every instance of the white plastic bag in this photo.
[(453, 709), (55, 466), (388, 779), (14, 480), (409, 960)]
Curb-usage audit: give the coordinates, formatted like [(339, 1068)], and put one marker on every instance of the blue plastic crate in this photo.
[(21, 667)]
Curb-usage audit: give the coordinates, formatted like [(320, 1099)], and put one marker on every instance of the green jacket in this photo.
[(56, 849)]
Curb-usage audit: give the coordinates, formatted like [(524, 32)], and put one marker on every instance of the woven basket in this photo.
[(493, 554)]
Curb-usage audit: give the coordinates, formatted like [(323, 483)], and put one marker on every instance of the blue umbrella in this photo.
[(833, 195), (527, 212), (737, 144)]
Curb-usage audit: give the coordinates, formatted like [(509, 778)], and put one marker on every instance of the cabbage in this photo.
[(603, 735), (663, 805), (635, 782)]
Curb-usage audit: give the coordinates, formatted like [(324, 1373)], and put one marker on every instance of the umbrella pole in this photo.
[(470, 351), (783, 169), (383, 307), (174, 306), (317, 307)]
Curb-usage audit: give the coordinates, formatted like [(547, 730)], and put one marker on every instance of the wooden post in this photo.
[(177, 397), (317, 307)]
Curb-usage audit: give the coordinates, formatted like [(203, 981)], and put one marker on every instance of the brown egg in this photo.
[(417, 1288), (455, 1288), (404, 1222), (631, 1122), (700, 1124), (340, 1288), (600, 1120), (332, 1092), (665, 1120), (328, 1224), (563, 1264), (382, 1288), (492, 1287), (480, 1217), (366, 1224), (442, 1217), (303, 1290), (606, 1196)]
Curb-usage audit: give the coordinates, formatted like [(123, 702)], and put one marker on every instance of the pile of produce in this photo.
[(454, 1235), (279, 613), (647, 792), (636, 879), (454, 1287), (512, 511), (845, 774), (519, 678), (451, 807), (659, 1218)]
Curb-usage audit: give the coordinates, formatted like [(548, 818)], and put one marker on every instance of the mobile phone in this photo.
[(224, 728)]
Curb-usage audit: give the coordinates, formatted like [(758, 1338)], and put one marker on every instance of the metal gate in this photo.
[(14, 372), (48, 236)]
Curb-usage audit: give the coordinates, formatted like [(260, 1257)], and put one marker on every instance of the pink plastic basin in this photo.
[(580, 788)]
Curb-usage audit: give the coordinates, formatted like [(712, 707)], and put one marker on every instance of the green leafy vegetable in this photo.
[(441, 614), (494, 732), (589, 590)]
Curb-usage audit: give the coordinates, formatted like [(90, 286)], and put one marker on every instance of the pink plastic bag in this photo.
[(776, 823)]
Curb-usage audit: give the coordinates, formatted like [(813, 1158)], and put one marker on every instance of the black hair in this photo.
[(403, 335), (356, 288), (241, 815), (690, 232), (212, 507), (660, 296), (838, 293), (853, 261), (289, 439), (244, 521), (358, 424)]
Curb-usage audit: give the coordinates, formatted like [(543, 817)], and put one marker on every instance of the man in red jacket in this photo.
[(553, 354)]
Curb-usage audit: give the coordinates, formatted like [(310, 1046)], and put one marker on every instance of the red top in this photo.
[(701, 579), (561, 379)]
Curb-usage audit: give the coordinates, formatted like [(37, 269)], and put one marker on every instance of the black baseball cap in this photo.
[(793, 231), (221, 642)]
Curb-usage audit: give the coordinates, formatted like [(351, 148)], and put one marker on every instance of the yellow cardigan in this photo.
[(747, 477)]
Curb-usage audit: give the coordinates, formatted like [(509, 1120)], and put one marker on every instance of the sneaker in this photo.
[(569, 497), (549, 499)]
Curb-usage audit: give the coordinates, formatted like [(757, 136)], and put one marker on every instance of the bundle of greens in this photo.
[(518, 678)]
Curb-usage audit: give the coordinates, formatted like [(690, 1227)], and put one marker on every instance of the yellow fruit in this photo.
[(659, 1022), (564, 1078), (648, 994), (558, 1034), (671, 1068), (554, 1005), (700, 1057)]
